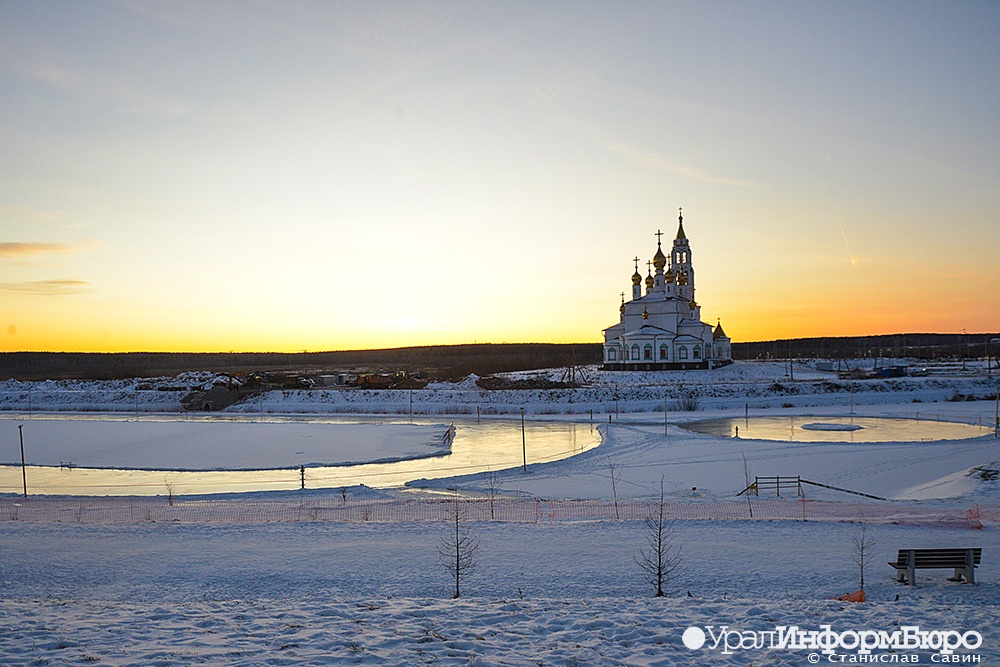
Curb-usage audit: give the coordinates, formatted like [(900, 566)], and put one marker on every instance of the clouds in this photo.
[(128, 96), (56, 287), (14, 250), (18, 249)]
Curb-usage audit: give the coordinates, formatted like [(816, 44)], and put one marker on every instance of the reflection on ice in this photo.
[(478, 446), (837, 429)]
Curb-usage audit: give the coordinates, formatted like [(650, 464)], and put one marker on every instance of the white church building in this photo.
[(662, 329)]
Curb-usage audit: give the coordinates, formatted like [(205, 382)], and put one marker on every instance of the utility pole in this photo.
[(24, 475), (996, 413), (963, 348), (664, 414), (993, 343), (524, 447)]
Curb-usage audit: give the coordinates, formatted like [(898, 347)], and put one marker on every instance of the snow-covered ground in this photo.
[(754, 384), (559, 592)]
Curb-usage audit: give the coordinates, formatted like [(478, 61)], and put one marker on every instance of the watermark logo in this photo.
[(830, 643), (694, 638)]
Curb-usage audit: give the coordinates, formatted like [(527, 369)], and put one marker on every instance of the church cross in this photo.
[(658, 235), (636, 260), (649, 267)]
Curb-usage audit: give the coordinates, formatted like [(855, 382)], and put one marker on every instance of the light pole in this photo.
[(996, 398), (664, 414), (524, 447), (24, 475), (961, 349)]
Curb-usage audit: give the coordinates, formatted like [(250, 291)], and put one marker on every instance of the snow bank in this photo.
[(753, 384)]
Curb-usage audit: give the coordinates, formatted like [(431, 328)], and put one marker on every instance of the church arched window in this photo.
[(611, 354), (647, 353), (663, 351), (635, 352), (683, 352), (697, 352)]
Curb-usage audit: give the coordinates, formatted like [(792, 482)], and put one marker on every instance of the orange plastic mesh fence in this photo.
[(119, 509)]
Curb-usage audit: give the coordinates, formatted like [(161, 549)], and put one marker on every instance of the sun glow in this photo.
[(299, 180)]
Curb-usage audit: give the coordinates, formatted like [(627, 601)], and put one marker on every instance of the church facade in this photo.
[(661, 329)]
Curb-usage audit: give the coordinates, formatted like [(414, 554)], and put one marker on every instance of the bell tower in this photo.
[(680, 261)]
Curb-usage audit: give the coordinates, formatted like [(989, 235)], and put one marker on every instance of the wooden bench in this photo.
[(964, 561)]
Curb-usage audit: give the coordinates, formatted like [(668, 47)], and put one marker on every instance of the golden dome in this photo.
[(659, 259), (645, 313), (621, 309), (636, 278), (649, 282), (694, 304), (669, 275)]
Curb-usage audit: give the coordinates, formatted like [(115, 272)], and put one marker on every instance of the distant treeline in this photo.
[(457, 361), (912, 345), (434, 362)]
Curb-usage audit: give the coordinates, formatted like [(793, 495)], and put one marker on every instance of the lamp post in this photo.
[(664, 414), (996, 397), (24, 475), (961, 348), (524, 447), (990, 354)]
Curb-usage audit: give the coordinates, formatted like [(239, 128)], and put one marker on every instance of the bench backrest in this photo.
[(933, 558)]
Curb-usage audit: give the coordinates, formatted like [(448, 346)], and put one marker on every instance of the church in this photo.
[(662, 329)]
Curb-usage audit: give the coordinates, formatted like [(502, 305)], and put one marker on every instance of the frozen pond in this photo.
[(837, 429), (478, 446)]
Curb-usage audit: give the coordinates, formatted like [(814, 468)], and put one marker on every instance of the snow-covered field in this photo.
[(757, 384), (558, 592), (561, 594)]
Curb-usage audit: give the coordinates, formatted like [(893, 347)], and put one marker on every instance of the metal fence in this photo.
[(119, 509)]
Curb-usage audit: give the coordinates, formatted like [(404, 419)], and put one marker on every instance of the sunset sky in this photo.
[(329, 175)]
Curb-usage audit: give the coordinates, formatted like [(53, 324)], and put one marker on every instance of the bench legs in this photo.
[(908, 573), (968, 571)]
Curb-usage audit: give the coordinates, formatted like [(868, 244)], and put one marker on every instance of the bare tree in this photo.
[(687, 400), (861, 548), (457, 548), (492, 490), (660, 561), (170, 491), (616, 475)]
